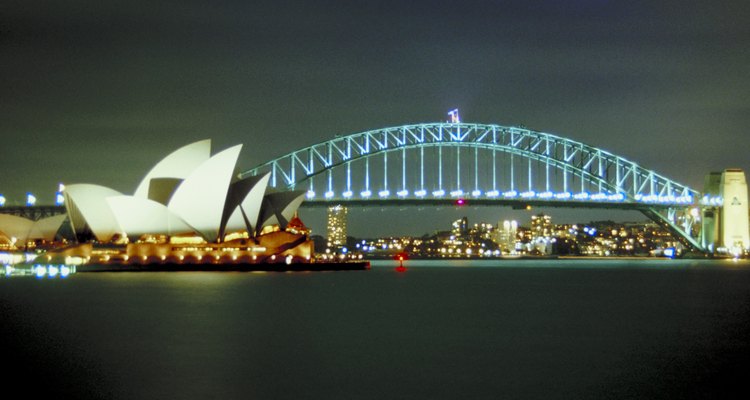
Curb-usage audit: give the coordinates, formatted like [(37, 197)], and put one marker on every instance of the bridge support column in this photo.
[(711, 212)]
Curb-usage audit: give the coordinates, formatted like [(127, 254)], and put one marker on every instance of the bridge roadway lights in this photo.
[(518, 203)]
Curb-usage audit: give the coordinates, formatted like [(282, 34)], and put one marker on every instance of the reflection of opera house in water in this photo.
[(189, 209)]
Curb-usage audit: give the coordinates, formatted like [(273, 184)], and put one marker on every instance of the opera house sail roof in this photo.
[(188, 192), (15, 229)]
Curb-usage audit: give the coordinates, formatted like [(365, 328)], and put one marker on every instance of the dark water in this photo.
[(526, 329)]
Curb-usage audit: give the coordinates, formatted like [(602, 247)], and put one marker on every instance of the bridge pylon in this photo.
[(726, 219)]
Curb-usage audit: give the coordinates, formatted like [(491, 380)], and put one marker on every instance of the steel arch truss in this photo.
[(615, 178)]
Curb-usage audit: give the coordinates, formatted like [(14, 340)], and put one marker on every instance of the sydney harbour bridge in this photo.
[(480, 164), (453, 162)]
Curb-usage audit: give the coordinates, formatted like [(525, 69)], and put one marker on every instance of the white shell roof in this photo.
[(200, 198), (250, 205), (138, 216), (46, 228), (25, 229), (178, 164), (15, 227), (90, 201)]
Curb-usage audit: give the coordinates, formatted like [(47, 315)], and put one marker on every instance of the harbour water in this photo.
[(526, 329)]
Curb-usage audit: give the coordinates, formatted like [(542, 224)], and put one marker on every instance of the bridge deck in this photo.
[(518, 204)]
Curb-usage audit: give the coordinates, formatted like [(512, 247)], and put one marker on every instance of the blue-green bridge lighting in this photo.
[(484, 164)]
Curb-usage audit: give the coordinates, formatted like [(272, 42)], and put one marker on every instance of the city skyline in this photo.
[(82, 79), (543, 237), (418, 221)]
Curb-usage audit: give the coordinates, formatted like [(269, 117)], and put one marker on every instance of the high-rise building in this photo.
[(541, 226), (506, 235), (460, 227), (337, 226), (482, 231)]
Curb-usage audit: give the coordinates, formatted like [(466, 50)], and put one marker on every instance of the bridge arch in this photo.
[(602, 175), (581, 173)]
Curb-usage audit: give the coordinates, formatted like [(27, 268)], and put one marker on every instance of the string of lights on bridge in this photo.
[(31, 199), (526, 195)]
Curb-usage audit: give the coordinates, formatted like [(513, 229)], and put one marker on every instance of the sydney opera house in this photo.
[(191, 207)]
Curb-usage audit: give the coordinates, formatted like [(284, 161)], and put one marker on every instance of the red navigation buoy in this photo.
[(401, 257)]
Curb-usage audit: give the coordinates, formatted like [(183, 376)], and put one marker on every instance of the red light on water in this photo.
[(460, 202), (401, 257)]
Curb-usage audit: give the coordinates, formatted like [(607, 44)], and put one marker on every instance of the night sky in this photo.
[(98, 93)]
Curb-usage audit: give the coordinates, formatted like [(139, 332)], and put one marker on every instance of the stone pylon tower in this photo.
[(734, 225)]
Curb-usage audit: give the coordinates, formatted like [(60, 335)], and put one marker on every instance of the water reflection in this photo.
[(40, 271)]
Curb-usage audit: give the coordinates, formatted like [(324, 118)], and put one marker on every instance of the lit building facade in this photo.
[(483, 231), (506, 235), (541, 226), (337, 226), (460, 227)]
